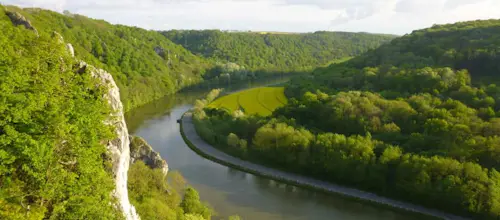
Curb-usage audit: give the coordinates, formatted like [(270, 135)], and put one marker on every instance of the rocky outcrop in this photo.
[(58, 37), (70, 49), (119, 148), (18, 19), (140, 150), (160, 51)]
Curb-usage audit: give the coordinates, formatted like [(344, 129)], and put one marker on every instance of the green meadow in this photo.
[(262, 101)]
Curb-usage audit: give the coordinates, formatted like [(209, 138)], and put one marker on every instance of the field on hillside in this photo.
[(262, 101)]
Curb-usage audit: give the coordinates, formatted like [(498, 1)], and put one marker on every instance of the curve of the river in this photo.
[(230, 191)]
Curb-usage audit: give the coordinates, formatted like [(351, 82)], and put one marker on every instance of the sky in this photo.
[(376, 16)]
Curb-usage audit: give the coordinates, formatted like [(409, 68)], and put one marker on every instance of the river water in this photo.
[(230, 191)]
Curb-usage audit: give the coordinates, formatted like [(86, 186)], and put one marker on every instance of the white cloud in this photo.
[(388, 16)]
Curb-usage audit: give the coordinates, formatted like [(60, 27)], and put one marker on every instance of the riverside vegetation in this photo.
[(157, 196), (413, 120)]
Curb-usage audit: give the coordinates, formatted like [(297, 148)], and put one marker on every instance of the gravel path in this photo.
[(210, 152)]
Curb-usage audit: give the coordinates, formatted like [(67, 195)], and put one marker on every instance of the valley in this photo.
[(108, 121)]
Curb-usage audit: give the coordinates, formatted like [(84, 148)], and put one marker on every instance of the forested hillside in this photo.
[(404, 121), (144, 63), (472, 45), (51, 132), (54, 128), (277, 51), (147, 65)]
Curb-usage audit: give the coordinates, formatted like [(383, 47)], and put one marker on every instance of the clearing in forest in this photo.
[(262, 101)]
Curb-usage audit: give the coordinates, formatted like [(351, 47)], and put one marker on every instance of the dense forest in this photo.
[(144, 63), (156, 196), (472, 45), (417, 119), (50, 115), (388, 123), (53, 159), (282, 52), (147, 65)]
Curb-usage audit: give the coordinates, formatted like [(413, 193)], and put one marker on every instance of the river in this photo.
[(230, 191)]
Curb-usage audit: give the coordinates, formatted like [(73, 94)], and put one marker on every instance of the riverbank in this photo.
[(201, 147)]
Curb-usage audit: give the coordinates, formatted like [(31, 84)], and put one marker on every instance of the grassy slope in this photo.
[(262, 101)]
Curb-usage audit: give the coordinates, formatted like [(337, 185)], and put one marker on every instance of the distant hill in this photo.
[(472, 45), (276, 51)]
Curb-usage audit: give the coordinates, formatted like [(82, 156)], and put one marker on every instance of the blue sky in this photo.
[(378, 16)]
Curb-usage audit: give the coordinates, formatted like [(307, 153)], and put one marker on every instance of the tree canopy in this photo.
[(157, 196), (472, 45), (53, 162), (277, 51), (405, 120), (145, 64)]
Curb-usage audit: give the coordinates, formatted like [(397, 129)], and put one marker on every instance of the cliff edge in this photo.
[(119, 148)]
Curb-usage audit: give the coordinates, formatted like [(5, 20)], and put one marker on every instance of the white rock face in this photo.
[(70, 49), (119, 148)]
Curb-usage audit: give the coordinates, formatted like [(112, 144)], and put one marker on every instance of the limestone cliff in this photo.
[(140, 150), (119, 148)]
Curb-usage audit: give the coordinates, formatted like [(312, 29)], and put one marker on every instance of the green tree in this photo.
[(233, 140), (191, 204)]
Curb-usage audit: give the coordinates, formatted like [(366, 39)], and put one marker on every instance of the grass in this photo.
[(261, 101)]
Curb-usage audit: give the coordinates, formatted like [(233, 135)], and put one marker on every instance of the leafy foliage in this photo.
[(151, 195), (471, 45), (276, 52), (52, 161), (400, 121), (144, 63), (191, 204), (157, 196)]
